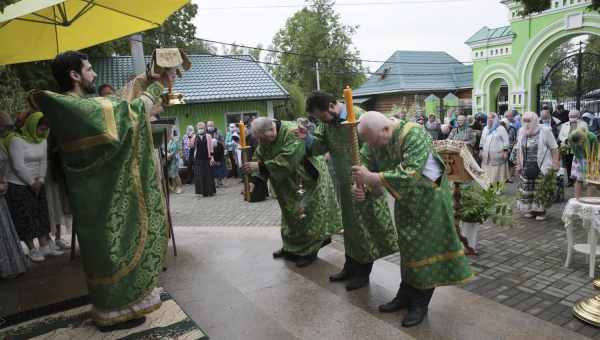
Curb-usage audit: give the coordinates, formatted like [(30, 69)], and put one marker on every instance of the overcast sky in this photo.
[(441, 25)]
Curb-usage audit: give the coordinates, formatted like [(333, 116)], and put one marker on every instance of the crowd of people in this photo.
[(32, 194), (536, 148), (204, 157), (311, 167)]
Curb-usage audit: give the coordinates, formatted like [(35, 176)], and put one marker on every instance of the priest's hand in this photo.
[(301, 132), (359, 193), (362, 176), (249, 168), (168, 77)]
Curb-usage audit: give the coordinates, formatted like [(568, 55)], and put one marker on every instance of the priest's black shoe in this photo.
[(415, 316), (305, 260), (398, 303), (122, 325), (346, 273), (284, 254), (357, 282), (343, 275)]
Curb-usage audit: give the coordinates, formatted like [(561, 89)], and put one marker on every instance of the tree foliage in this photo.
[(177, 31), (316, 33), (295, 106), (536, 6), (4, 3)]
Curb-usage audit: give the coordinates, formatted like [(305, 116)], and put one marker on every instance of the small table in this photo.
[(586, 210)]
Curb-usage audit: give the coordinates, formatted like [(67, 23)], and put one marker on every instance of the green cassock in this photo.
[(117, 202), (288, 166), (431, 252), (369, 232)]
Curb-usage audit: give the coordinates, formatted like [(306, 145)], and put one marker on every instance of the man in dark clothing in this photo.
[(561, 114)]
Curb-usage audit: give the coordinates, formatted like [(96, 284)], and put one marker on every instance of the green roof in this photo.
[(418, 71), (487, 33), (211, 78)]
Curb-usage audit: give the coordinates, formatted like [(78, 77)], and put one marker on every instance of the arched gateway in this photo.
[(509, 62)]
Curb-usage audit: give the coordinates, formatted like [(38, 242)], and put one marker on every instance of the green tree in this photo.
[(4, 3), (12, 94), (177, 31), (256, 52), (316, 33), (295, 106), (536, 6)]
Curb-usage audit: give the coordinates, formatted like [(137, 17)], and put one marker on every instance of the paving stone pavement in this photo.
[(227, 208), (521, 266)]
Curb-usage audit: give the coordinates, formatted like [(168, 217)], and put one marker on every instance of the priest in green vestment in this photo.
[(399, 156), (369, 232), (304, 190), (119, 212)]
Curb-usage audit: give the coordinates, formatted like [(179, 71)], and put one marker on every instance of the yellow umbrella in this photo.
[(33, 30)]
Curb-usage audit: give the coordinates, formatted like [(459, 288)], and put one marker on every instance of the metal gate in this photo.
[(573, 82)]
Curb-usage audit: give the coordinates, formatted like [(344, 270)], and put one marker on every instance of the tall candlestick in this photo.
[(244, 148), (351, 118), (242, 134)]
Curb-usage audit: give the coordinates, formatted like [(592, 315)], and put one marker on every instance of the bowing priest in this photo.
[(303, 186), (369, 233), (399, 157)]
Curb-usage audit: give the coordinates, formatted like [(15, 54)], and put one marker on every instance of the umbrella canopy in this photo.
[(33, 30)]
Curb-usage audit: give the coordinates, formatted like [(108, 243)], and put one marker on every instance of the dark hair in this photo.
[(62, 66), (319, 101), (105, 86)]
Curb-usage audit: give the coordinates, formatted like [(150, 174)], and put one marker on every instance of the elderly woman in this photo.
[(462, 131), (26, 194), (537, 155), (493, 148), (12, 258), (565, 129), (433, 126)]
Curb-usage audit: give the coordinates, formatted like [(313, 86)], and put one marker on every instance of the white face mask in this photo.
[(201, 131)]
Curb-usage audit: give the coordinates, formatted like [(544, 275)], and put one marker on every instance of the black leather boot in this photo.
[(346, 273), (400, 302), (361, 277), (305, 260), (284, 254), (416, 315), (418, 306)]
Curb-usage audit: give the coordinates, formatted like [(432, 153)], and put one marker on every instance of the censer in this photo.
[(301, 192)]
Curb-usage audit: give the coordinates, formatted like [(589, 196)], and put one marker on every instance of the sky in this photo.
[(385, 26)]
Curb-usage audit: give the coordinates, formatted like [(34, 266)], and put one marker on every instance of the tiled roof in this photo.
[(211, 78), (421, 71), (487, 33)]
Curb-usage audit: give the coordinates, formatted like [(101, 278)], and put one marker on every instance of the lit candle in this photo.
[(349, 106), (242, 134)]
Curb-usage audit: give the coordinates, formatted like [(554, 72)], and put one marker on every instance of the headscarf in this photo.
[(189, 131), (495, 124), (533, 126), (29, 130)]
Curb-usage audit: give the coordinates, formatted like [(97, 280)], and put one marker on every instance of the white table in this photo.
[(589, 216)]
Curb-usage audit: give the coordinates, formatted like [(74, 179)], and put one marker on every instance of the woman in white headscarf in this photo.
[(537, 154), (493, 149)]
